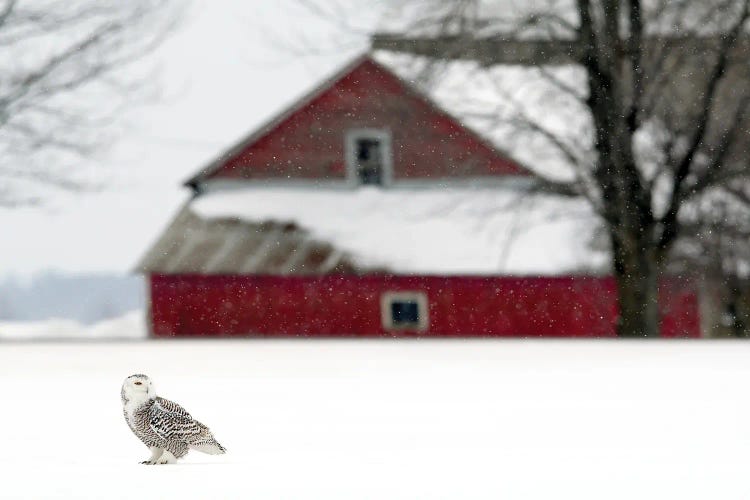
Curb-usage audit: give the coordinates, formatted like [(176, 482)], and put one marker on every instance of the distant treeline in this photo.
[(86, 298)]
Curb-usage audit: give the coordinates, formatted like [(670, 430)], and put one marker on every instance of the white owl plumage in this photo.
[(164, 426)]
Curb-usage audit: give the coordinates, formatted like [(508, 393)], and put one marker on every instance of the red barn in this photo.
[(368, 210)]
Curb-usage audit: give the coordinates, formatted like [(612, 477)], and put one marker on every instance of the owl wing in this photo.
[(171, 421)]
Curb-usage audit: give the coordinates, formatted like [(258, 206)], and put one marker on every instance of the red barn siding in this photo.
[(193, 305), (309, 143)]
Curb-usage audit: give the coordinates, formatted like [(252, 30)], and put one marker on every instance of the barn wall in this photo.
[(309, 144), (196, 305)]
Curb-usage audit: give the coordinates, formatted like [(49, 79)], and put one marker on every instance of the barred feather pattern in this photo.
[(164, 424)]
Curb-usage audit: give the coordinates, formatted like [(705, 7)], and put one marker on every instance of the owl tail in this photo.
[(212, 448), (208, 444), (205, 442)]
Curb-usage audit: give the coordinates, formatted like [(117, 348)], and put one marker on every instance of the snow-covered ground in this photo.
[(386, 419)]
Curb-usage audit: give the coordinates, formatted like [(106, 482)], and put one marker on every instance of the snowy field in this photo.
[(306, 419), (128, 326)]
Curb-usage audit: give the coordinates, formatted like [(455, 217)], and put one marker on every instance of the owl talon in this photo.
[(166, 458)]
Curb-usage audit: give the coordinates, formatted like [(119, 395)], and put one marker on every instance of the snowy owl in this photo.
[(165, 427)]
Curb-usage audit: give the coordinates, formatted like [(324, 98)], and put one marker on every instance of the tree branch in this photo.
[(635, 54), (7, 11), (716, 171), (669, 222), (587, 37)]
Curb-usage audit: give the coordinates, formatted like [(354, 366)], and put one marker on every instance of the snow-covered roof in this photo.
[(448, 231), (230, 245)]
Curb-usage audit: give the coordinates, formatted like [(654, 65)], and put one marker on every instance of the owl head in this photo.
[(137, 388)]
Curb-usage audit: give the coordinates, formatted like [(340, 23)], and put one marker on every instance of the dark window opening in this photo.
[(404, 310), (369, 155), (404, 313)]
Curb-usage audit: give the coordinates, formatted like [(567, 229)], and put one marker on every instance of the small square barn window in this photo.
[(368, 156), (404, 311)]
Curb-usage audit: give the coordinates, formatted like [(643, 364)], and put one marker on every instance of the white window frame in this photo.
[(388, 298), (350, 152)]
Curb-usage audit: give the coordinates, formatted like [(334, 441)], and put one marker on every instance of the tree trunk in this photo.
[(637, 277), (735, 309)]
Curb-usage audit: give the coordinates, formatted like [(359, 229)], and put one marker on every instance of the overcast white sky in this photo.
[(221, 76)]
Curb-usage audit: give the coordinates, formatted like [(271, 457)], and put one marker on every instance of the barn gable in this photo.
[(364, 106)]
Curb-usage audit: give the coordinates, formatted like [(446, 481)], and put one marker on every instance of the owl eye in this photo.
[(138, 383)]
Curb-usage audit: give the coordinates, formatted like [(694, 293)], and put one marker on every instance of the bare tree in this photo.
[(63, 78), (665, 91)]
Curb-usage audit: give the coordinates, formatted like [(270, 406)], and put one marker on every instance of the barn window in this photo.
[(368, 156), (404, 310)]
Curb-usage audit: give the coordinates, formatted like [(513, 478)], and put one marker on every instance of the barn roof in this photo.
[(230, 245), (450, 231)]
